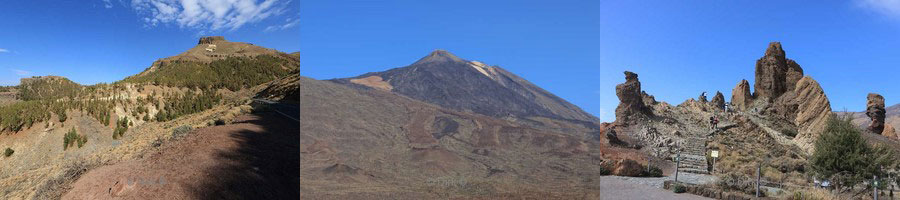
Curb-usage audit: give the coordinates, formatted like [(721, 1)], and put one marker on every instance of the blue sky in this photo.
[(554, 45), (682, 48), (92, 41)]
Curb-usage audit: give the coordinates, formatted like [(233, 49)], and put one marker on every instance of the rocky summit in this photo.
[(444, 79)]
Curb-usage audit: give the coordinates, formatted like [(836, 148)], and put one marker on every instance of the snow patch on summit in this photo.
[(484, 69)]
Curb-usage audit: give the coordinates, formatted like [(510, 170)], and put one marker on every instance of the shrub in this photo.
[(181, 131), (654, 172), (678, 188), (8, 152), (789, 132), (81, 141), (70, 138)]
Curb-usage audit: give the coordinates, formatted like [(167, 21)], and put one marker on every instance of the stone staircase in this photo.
[(693, 153), (693, 156)]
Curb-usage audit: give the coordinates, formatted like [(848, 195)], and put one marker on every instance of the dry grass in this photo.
[(812, 194)]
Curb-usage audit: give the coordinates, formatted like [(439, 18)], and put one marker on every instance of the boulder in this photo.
[(889, 132), (741, 97), (628, 167), (813, 111), (718, 100), (631, 101), (876, 112), (771, 73)]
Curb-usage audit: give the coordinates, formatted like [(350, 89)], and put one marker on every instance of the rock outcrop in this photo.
[(631, 102), (771, 72), (628, 167), (741, 97), (648, 99), (889, 132), (876, 112), (813, 111), (211, 39), (775, 74), (718, 100), (794, 73)]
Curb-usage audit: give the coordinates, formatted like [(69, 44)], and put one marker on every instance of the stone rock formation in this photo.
[(741, 97), (631, 102), (628, 167), (648, 99), (718, 100), (775, 74), (211, 39), (889, 132), (813, 111), (770, 73), (794, 74), (876, 112)]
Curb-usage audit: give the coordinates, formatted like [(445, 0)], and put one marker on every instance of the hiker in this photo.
[(716, 122)]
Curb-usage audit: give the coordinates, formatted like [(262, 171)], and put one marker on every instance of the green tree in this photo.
[(843, 155)]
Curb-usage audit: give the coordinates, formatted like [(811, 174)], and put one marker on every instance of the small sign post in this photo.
[(714, 154)]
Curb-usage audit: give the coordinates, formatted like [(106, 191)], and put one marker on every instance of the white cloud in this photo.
[(4, 51), (288, 24), (890, 8), (107, 3), (207, 15), (21, 72)]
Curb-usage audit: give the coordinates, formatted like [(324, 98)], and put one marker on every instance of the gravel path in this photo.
[(617, 187)]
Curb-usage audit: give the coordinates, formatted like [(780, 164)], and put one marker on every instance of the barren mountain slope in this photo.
[(366, 143), (443, 79)]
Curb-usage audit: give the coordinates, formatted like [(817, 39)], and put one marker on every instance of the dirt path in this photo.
[(256, 157)]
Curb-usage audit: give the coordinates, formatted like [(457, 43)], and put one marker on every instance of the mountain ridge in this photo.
[(442, 78)]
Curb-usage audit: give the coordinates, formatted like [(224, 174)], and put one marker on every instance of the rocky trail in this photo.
[(778, 136)]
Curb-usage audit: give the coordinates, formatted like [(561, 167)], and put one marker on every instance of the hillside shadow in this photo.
[(266, 165)]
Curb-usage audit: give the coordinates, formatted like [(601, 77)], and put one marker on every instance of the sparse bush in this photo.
[(219, 122), (789, 132), (8, 152), (81, 141), (181, 131), (70, 138), (678, 188), (654, 172)]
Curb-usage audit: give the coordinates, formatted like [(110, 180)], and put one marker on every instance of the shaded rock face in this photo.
[(741, 97), (794, 73), (775, 74), (211, 39), (718, 100), (876, 112), (631, 102), (813, 111)]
